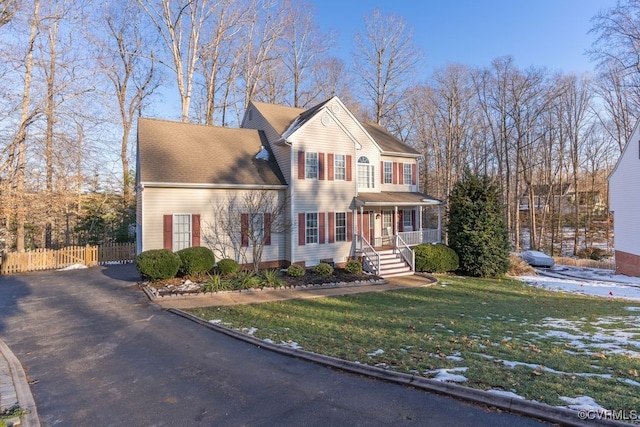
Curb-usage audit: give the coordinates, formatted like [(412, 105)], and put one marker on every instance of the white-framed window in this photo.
[(311, 166), (311, 228), (339, 167), (387, 223), (257, 226), (341, 227), (365, 173), (388, 173), (181, 231), (407, 174), (407, 223)]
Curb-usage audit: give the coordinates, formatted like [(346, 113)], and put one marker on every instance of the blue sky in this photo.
[(540, 33)]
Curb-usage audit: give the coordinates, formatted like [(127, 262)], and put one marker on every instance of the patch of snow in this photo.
[(290, 344), (216, 321), (448, 375), (268, 340), (250, 331), (513, 364), (73, 267), (581, 403), (378, 352), (456, 357)]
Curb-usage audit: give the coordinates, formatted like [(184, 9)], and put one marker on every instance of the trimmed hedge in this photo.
[(227, 266), (436, 258), (158, 264), (323, 269), (295, 270), (353, 267), (198, 259)]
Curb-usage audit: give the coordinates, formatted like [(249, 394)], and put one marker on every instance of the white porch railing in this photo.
[(371, 258), (411, 238), (406, 252)]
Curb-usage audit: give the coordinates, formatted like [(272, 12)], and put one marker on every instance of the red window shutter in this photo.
[(301, 165), (401, 174), (320, 165), (413, 174), (195, 230), (395, 172), (167, 231), (330, 166), (244, 230), (381, 172), (321, 228), (349, 176), (332, 227), (400, 226), (349, 226), (267, 228), (301, 229)]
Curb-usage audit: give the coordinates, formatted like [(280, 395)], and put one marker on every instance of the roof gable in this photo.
[(184, 153)]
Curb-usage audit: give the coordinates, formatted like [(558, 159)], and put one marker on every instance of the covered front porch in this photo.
[(396, 221)]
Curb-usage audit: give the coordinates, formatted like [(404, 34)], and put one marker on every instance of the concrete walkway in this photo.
[(267, 295)]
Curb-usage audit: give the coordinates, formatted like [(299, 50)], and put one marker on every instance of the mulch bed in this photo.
[(175, 286)]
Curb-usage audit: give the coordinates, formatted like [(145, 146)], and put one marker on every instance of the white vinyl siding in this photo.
[(163, 201)]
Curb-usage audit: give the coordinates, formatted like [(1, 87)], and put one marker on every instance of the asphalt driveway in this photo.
[(97, 352)]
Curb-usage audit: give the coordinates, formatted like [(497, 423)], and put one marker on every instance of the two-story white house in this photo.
[(351, 189)]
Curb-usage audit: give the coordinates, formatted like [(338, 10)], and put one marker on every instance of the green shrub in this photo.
[(245, 280), (595, 254), (272, 278), (477, 227), (353, 267), (323, 269), (216, 283), (295, 270), (195, 260), (435, 258), (227, 266), (158, 264)]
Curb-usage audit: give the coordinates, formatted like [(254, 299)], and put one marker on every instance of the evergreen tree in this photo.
[(477, 227)]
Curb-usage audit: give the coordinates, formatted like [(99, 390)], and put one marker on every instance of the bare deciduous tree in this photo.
[(244, 224), (385, 59)]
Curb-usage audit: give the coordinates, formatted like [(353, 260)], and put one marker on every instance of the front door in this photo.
[(366, 225)]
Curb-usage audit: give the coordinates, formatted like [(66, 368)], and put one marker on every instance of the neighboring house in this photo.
[(624, 204), (562, 198), (350, 188)]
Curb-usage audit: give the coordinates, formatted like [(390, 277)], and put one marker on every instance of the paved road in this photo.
[(98, 353)]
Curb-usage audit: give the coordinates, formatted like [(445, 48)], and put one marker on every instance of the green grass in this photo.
[(10, 414), (484, 324)]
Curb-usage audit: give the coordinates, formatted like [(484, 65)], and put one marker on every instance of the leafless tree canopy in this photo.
[(77, 74)]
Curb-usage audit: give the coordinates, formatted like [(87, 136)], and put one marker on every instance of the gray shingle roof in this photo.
[(279, 116), (175, 152), (386, 140)]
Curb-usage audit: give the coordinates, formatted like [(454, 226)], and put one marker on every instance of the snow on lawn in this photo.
[(587, 281)]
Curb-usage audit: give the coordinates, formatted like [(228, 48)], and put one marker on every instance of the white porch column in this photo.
[(439, 224), (395, 219), (420, 218)]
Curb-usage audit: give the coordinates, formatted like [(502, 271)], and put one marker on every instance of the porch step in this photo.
[(392, 264)]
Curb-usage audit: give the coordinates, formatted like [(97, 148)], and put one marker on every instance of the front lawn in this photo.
[(486, 334)]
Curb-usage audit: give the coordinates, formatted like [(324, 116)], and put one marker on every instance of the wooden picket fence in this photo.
[(50, 259)]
